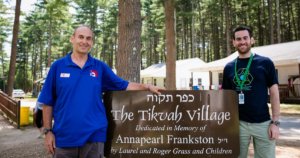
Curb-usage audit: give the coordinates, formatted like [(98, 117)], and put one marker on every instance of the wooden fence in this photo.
[(10, 109), (289, 93)]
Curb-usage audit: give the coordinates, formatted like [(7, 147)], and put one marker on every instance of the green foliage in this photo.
[(23, 80), (101, 15), (153, 34), (4, 22), (46, 29), (108, 34), (200, 30), (4, 29)]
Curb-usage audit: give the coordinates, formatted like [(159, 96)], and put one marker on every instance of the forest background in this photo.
[(132, 35)]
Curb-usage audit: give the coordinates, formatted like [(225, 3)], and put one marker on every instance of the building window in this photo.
[(199, 81), (191, 82), (220, 78), (164, 82)]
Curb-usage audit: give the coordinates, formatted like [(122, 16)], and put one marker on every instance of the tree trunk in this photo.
[(170, 44), (298, 13), (228, 30), (278, 22), (3, 67), (186, 45), (182, 52), (203, 40), (13, 56), (295, 32), (192, 34), (178, 47), (270, 4), (2, 61), (259, 26), (215, 38), (104, 48), (41, 60), (155, 52), (114, 47), (129, 40), (34, 67), (49, 51), (289, 30), (150, 53)]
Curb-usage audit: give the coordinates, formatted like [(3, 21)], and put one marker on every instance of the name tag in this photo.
[(241, 98), (64, 75)]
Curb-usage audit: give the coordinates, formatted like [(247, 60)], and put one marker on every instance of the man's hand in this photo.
[(273, 131), (139, 86), (155, 89), (50, 142)]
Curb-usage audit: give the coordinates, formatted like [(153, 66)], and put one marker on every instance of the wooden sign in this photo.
[(174, 124)]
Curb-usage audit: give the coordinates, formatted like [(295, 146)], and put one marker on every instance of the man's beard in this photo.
[(243, 51)]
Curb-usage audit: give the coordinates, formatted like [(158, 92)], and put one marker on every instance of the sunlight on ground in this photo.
[(289, 108), (6, 127)]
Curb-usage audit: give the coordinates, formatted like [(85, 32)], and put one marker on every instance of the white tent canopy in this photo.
[(156, 70), (159, 70), (281, 54)]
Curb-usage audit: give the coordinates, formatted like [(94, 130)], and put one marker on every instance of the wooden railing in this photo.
[(289, 93), (283, 91), (10, 109), (295, 90)]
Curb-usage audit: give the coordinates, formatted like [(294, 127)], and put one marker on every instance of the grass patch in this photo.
[(290, 108)]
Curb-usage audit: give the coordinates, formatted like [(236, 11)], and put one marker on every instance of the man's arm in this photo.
[(138, 86), (47, 116), (226, 81), (47, 123), (275, 102), (275, 107)]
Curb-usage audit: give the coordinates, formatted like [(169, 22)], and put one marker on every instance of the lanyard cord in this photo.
[(241, 80)]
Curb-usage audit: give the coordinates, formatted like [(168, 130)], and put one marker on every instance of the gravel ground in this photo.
[(24, 143), (32, 149), (20, 143)]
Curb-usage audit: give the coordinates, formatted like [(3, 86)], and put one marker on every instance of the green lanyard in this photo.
[(241, 80)]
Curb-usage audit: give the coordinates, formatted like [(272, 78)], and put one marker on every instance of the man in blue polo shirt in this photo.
[(72, 96)]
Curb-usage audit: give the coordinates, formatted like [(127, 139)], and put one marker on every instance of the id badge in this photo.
[(241, 98)]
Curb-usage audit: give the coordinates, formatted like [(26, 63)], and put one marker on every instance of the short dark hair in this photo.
[(241, 28)]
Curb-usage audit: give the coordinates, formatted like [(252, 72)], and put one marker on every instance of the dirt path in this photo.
[(24, 143), (20, 143)]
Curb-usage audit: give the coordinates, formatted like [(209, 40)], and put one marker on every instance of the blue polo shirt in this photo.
[(76, 96)]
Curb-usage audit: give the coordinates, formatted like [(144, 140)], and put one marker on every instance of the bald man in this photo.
[(72, 96)]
